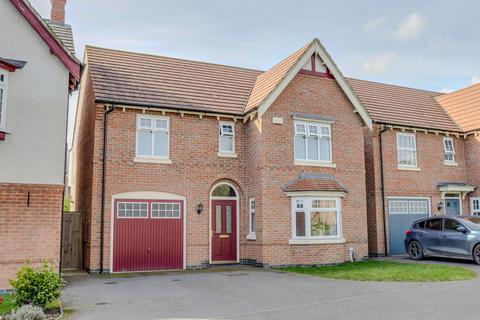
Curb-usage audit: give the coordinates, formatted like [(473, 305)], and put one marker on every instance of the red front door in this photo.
[(224, 230)]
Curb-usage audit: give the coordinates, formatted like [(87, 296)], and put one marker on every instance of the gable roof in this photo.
[(163, 82), (51, 39), (463, 106), (271, 83), (64, 33), (155, 81), (398, 105)]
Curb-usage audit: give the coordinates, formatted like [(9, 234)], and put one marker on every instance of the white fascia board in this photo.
[(347, 89), (265, 104)]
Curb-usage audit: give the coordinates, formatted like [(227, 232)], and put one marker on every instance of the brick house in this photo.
[(181, 164), (421, 158), (207, 163), (37, 71)]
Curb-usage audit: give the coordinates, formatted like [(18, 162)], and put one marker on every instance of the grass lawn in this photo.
[(373, 270), (6, 306)]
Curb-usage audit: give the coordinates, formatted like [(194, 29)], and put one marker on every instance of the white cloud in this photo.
[(446, 90), (375, 23), (379, 63), (411, 27), (476, 79)]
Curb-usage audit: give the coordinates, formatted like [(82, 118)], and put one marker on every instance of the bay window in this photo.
[(316, 218), (313, 141)]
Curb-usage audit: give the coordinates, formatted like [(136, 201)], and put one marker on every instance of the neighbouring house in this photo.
[(181, 164), (421, 158), (38, 69)]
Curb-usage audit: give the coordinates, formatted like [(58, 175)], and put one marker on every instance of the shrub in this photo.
[(36, 286), (26, 312)]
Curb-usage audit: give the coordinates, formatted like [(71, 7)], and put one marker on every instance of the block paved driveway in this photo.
[(249, 293)]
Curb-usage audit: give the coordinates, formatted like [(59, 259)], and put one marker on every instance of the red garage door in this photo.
[(148, 235)]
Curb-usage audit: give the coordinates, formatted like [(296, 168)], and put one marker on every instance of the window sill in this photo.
[(152, 160), (451, 164), (314, 164), (316, 241), (408, 168), (227, 155), (251, 236)]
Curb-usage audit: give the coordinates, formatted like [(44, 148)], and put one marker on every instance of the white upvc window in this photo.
[(3, 98), (251, 216), (152, 137), (475, 205), (165, 210), (313, 141), (409, 206), (449, 151), (132, 210), (406, 150), (226, 143), (316, 218)]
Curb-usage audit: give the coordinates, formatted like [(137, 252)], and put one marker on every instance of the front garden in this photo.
[(36, 295), (373, 270)]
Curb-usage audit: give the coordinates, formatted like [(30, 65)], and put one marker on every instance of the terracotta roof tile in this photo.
[(314, 182), (402, 106), (463, 106), (142, 79), (267, 81), (64, 33)]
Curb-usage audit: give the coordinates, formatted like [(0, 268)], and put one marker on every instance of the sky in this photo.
[(428, 44)]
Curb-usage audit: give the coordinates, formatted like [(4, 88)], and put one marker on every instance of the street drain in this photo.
[(101, 303), (176, 280), (112, 282)]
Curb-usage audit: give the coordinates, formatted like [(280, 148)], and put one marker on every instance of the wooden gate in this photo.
[(72, 240)]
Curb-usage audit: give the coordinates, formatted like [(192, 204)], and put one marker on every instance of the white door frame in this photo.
[(148, 195), (210, 231)]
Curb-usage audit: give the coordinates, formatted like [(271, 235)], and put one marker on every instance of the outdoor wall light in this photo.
[(199, 208), (440, 206)]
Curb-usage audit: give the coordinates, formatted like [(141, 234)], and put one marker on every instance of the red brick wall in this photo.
[(29, 229), (421, 183), (472, 162), (84, 141), (312, 95), (264, 163)]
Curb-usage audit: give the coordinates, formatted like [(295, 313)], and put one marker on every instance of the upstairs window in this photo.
[(152, 136), (227, 137), (313, 141), (449, 151), (3, 99), (406, 150)]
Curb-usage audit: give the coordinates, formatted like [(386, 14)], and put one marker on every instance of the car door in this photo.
[(430, 236), (453, 242)]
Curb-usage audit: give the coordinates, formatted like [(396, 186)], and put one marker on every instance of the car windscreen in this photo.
[(471, 222)]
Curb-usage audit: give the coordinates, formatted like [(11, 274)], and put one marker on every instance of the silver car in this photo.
[(452, 237)]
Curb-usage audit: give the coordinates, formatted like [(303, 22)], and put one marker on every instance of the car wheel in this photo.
[(476, 254), (415, 250)]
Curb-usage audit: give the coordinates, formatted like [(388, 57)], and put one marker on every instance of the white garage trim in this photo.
[(148, 195)]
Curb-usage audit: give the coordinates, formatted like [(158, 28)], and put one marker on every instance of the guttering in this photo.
[(104, 167), (187, 111), (382, 186)]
